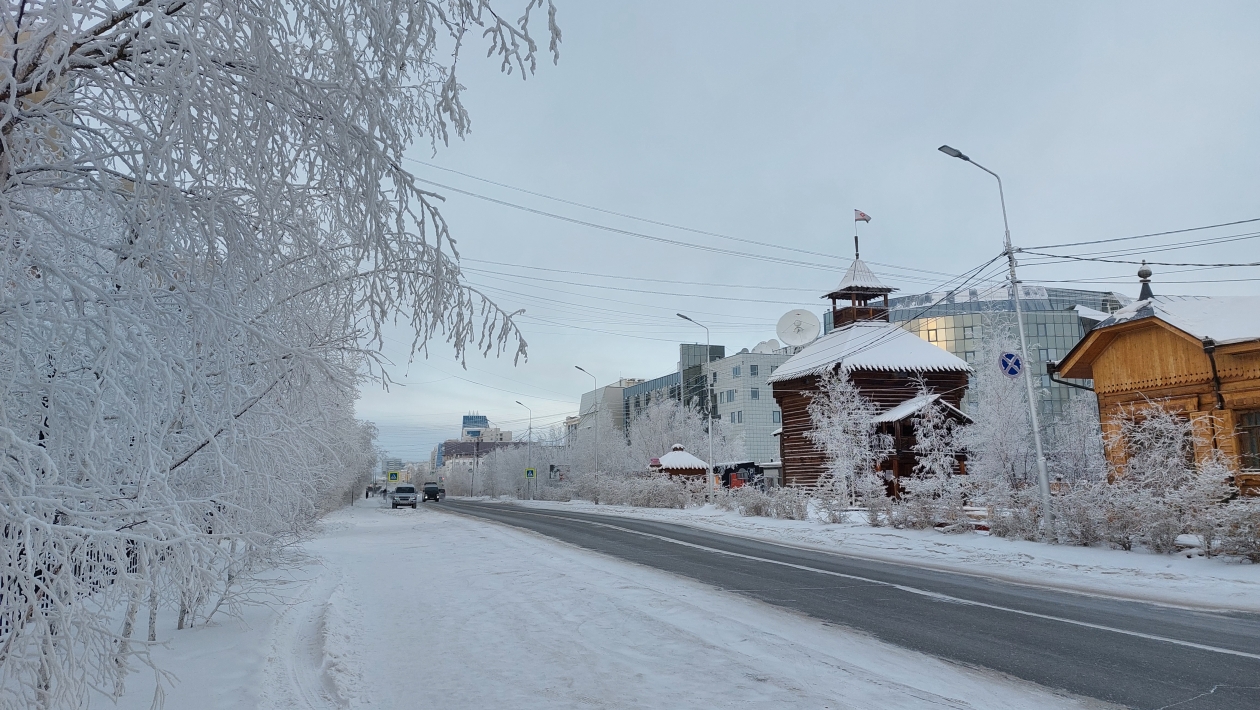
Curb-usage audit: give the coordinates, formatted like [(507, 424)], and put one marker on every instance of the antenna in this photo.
[(798, 327), (856, 254)]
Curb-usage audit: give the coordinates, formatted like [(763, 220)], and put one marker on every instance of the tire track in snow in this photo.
[(297, 669)]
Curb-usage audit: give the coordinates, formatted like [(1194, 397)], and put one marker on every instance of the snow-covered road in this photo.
[(423, 609)]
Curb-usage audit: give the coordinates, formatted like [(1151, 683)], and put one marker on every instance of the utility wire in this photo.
[(1146, 236), (1130, 261), (645, 220)]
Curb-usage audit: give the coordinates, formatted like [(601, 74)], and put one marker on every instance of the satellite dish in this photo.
[(798, 327)]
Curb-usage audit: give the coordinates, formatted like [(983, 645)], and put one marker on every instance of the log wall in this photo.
[(803, 464)]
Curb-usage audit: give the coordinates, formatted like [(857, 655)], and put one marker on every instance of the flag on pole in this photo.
[(860, 216)]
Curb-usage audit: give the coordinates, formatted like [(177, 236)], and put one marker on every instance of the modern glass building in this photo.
[(1054, 320)]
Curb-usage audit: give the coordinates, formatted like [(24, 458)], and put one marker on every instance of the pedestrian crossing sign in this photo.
[(530, 473)]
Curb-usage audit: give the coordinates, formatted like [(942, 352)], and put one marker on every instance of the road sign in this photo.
[(530, 473), (1011, 364), (393, 475)]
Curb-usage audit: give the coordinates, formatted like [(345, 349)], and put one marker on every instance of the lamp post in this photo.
[(1043, 480), (529, 441), (596, 396), (708, 350)]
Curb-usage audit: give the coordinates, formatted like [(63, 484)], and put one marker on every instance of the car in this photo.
[(432, 491), (402, 495)]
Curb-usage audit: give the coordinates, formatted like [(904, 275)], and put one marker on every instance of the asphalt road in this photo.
[(1129, 653)]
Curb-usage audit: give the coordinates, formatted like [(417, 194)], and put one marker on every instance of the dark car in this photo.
[(402, 495), (432, 491)]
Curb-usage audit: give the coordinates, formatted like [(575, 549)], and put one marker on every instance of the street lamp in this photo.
[(595, 394), (1043, 480), (708, 349), (529, 456)]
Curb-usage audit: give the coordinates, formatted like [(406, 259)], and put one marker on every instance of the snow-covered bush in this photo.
[(1240, 529), (789, 503), (832, 498), (1015, 512), (1078, 516), (872, 495)]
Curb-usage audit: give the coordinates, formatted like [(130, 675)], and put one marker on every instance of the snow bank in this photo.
[(1195, 581), (427, 609)]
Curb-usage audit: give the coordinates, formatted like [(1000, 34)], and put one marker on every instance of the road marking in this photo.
[(912, 590)]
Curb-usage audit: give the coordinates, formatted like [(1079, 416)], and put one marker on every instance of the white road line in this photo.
[(912, 590)]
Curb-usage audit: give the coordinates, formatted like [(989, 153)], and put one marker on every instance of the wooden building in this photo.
[(1196, 355), (881, 359)]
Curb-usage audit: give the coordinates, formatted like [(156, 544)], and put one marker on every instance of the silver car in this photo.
[(403, 495)]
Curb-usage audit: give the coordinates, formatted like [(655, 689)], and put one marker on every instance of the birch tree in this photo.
[(844, 429), (205, 225)]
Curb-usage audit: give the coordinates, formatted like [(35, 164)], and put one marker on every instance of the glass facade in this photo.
[(962, 322)]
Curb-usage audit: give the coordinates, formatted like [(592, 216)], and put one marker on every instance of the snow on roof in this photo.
[(869, 345), (1225, 319), (912, 406), (1090, 314), (680, 459), (859, 277)]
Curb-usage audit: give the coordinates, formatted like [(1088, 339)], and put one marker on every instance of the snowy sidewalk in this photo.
[(429, 609), (1196, 581)]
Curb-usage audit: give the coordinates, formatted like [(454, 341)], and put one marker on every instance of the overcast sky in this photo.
[(771, 123)]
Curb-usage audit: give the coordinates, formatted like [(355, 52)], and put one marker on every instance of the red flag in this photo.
[(860, 216)]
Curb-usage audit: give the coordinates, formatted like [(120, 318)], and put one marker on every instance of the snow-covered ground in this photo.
[(1193, 581), (415, 609)]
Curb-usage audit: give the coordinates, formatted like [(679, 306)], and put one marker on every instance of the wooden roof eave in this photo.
[(1079, 362)]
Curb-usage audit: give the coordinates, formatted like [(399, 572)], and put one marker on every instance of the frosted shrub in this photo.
[(789, 503), (1125, 510), (1016, 512), (1240, 529), (872, 495), (751, 501), (1078, 516), (831, 499)]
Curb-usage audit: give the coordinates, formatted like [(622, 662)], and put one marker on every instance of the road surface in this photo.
[(1130, 653)]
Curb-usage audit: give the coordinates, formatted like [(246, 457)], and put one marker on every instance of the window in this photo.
[(730, 395), (776, 417), (752, 370), (969, 356), (735, 371), (740, 417), (732, 417), (932, 335), (969, 331), (754, 393), (1249, 440), (773, 368), (715, 378)]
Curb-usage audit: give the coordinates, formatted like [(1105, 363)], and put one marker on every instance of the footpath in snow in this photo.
[(416, 609), (1193, 581)]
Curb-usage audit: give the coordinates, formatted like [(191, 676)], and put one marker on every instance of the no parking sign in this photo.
[(1011, 364)]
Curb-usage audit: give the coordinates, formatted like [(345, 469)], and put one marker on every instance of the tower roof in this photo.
[(859, 280)]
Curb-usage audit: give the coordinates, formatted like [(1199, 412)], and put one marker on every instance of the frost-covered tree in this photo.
[(204, 226), (844, 429), (1075, 442), (933, 494), (999, 439)]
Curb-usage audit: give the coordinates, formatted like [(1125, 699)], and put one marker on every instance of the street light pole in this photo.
[(708, 350), (529, 442), (596, 396), (1043, 480)]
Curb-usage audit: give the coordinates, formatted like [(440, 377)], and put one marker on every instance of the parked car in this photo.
[(432, 491), (402, 495)]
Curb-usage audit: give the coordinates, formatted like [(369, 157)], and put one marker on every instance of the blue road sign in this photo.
[(1011, 364), (529, 473)]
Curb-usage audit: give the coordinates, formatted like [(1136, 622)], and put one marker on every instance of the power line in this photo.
[(645, 220), (1129, 261), (1146, 236)]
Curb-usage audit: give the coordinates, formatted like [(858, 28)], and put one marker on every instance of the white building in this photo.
[(744, 401)]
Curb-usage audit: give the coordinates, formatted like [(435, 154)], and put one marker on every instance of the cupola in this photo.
[(860, 286)]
